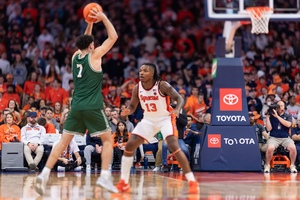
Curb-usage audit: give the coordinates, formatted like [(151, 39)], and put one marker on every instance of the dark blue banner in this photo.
[(229, 105)]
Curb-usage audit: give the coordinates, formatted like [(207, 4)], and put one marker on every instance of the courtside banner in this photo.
[(229, 105), (230, 148)]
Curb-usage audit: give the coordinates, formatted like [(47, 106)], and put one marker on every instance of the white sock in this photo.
[(105, 174), (125, 168), (190, 176), (46, 172)]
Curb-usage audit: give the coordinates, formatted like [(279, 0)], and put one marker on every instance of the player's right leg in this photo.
[(42, 179), (172, 142)]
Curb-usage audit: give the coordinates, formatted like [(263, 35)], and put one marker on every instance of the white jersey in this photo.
[(153, 102)]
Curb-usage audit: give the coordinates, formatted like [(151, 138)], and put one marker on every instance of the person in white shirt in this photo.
[(4, 64), (66, 162), (32, 135)]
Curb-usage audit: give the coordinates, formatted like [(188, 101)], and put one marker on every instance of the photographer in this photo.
[(279, 124)]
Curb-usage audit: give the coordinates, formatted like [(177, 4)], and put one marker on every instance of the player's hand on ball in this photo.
[(96, 14)]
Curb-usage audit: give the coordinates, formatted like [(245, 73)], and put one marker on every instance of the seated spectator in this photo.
[(11, 94), (120, 138), (49, 117), (66, 162), (28, 104), (296, 138), (3, 114), (93, 144), (14, 109), (260, 131), (9, 132), (3, 101), (32, 135)]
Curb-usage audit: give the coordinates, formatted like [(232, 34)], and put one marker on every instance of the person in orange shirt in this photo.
[(50, 128), (11, 94), (30, 83), (112, 99), (198, 108), (120, 138), (3, 101), (56, 94), (37, 93), (9, 132), (192, 99), (10, 81), (277, 81), (29, 102)]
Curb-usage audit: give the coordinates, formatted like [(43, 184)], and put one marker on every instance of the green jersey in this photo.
[(87, 83)]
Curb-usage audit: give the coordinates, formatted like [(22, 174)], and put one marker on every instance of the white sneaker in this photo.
[(156, 169), (88, 169), (61, 169), (293, 169), (77, 169), (267, 169), (40, 184), (107, 184)]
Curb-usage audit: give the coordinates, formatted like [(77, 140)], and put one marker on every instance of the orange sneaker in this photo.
[(193, 187), (122, 186)]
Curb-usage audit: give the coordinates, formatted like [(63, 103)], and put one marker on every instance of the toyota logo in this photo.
[(214, 140), (230, 99)]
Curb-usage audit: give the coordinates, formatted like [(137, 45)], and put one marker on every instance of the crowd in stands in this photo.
[(37, 41)]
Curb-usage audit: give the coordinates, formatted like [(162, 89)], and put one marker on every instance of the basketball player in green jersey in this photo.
[(87, 103)]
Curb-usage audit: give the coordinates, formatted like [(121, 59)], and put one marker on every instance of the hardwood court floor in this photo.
[(146, 185)]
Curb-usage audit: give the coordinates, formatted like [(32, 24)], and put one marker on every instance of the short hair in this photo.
[(83, 41), (41, 121)]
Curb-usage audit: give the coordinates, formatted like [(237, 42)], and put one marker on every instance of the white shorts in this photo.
[(147, 128)]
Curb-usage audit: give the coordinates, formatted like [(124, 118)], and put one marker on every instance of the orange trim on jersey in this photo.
[(173, 121)]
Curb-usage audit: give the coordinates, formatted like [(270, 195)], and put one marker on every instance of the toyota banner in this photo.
[(229, 143)]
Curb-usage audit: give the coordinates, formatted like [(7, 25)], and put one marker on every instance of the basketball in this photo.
[(86, 11)]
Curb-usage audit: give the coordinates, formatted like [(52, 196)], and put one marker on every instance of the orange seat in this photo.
[(280, 160), (172, 160)]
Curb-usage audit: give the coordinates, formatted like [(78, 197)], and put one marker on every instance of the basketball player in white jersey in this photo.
[(154, 96)]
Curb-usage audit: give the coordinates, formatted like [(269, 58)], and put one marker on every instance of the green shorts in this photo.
[(94, 121)]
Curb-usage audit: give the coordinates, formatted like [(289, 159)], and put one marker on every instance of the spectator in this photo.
[(29, 85), (19, 70), (10, 81), (115, 118), (261, 133), (3, 101), (120, 138), (93, 144), (11, 94), (296, 138), (49, 117), (14, 109), (279, 124), (32, 135), (9, 131), (4, 64), (66, 162), (292, 108)]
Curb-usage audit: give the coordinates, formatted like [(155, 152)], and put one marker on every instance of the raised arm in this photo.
[(111, 32)]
